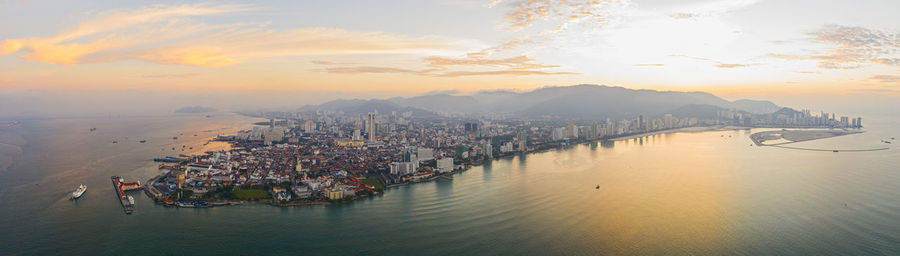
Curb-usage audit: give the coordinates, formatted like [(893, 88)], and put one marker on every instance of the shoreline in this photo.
[(467, 166)]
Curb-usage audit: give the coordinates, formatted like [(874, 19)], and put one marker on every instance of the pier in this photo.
[(118, 184)]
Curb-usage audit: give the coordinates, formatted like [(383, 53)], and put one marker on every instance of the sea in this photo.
[(688, 193)]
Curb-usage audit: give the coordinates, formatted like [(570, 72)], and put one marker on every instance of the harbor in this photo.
[(121, 186)]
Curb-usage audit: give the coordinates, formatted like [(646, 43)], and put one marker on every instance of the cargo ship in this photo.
[(78, 192), (126, 200)]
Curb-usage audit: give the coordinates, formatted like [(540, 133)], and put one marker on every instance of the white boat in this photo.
[(131, 200), (78, 192)]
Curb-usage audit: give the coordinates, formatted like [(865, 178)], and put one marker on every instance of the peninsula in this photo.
[(349, 149)]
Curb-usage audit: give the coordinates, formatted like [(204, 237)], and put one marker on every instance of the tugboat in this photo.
[(78, 192)]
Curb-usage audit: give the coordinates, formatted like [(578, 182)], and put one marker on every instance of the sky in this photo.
[(290, 53)]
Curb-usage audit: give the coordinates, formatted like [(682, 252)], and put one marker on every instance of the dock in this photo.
[(118, 183)]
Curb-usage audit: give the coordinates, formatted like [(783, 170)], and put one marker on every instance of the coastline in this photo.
[(466, 167), (680, 130)]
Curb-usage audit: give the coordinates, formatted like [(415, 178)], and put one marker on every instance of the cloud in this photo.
[(718, 64), (552, 17), (373, 70), (560, 13), (444, 67), (330, 63), (731, 65), (518, 62), (711, 8), (689, 57), (504, 73), (877, 91), (169, 35), (808, 72), (180, 75), (886, 78), (650, 65), (850, 48)]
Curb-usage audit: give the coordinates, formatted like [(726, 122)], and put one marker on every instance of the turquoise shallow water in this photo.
[(684, 193)]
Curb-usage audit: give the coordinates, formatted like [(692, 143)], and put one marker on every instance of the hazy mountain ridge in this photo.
[(361, 106), (578, 101)]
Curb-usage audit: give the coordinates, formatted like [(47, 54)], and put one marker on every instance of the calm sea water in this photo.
[(683, 193)]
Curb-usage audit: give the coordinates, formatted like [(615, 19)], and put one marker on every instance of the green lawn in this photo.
[(374, 182), (250, 194)]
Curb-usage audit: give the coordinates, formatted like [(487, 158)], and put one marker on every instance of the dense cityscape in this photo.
[(303, 158)]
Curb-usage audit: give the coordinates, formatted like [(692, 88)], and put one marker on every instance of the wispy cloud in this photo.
[(561, 13), (553, 17), (374, 70), (331, 63), (650, 65), (886, 78), (168, 35), (717, 64), (504, 73), (179, 75), (851, 47), (516, 63), (689, 57), (732, 65), (711, 8), (444, 67)]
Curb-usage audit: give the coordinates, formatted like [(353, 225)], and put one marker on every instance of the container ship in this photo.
[(78, 192)]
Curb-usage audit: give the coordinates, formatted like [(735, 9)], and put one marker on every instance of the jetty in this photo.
[(121, 186)]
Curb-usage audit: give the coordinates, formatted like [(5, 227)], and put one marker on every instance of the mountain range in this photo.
[(577, 101)]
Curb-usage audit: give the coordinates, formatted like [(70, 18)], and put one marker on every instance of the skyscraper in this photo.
[(370, 126), (523, 141)]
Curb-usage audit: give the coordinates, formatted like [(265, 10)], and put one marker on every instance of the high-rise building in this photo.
[(370, 126), (641, 122), (356, 135), (445, 164), (572, 131), (523, 141), (425, 154)]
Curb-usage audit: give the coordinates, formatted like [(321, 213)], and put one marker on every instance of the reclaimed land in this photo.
[(781, 137)]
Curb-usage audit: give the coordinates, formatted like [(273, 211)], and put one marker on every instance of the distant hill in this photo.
[(696, 110), (578, 101), (360, 106), (194, 110), (755, 106), (786, 112)]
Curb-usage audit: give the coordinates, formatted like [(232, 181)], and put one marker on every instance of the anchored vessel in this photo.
[(78, 192)]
